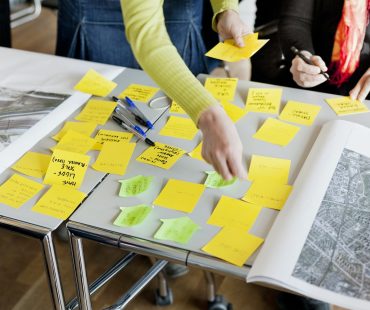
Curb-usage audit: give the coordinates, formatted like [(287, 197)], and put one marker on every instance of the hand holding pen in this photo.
[(308, 70)]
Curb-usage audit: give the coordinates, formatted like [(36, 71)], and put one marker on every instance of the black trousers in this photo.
[(4, 23)]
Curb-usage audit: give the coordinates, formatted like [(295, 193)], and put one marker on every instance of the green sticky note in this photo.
[(131, 216), (134, 186), (179, 230), (214, 180)]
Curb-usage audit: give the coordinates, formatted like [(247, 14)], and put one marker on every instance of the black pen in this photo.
[(307, 60), (128, 128)]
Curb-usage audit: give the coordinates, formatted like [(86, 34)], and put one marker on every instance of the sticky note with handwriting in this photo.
[(176, 108), (180, 195), (66, 168), (137, 92), (17, 190), (269, 168), (300, 113), (33, 164), (345, 106), (234, 212), (221, 88), (179, 230), (179, 127), (96, 111), (276, 132), (161, 155), (226, 52), (233, 111), (233, 244), (132, 216), (84, 128), (214, 180), (59, 202), (73, 141), (264, 100), (134, 186), (114, 157), (268, 194), (105, 135), (95, 84)]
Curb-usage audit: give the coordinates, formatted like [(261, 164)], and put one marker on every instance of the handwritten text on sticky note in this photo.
[(96, 111), (95, 84), (33, 164), (131, 216), (134, 186), (179, 230)]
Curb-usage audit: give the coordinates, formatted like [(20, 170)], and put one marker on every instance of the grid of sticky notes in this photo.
[(228, 51)]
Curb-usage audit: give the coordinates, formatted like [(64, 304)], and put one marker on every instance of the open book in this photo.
[(319, 245)]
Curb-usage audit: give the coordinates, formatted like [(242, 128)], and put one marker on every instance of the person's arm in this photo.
[(295, 30), (152, 47), (362, 88)]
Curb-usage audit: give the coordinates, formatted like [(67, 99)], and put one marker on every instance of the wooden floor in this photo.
[(22, 280)]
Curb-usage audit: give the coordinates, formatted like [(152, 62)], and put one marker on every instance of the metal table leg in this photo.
[(78, 259), (44, 235)]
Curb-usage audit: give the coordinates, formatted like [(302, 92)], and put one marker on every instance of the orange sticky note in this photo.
[(95, 84), (180, 195), (233, 244), (114, 157), (59, 202), (67, 168), (96, 111), (137, 92), (234, 212), (161, 155), (17, 190)]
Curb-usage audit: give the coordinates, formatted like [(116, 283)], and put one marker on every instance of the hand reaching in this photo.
[(230, 25)]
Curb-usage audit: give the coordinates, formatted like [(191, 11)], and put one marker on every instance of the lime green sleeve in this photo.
[(152, 47), (218, 6)]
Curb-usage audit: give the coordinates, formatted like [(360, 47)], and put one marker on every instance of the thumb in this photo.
[(317, 61), (237, 34)]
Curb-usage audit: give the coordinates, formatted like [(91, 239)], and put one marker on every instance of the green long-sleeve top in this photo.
[(152, 47)]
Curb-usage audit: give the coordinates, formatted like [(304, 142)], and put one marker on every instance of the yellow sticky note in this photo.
[(345, 106), (33, 164), (226, 52), (104, 135), (96, 111), (114, 157), (233, 111), (179, 127), (138, 92), (59, 202), (17, 190), (234, 212), (233, 245), (197, 152), (176, 108), (221, 88), (269, 168), (81, 127), (66, 168), (276, 132), (268, 194), (229, 51), (180, 195), (73, 141), (95, 84), (300, 113), (161, 155), (264, 100)]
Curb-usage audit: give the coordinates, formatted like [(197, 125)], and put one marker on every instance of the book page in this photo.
[(320, 241)]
